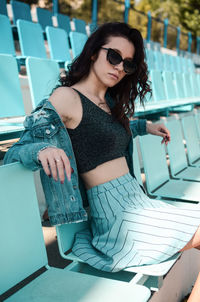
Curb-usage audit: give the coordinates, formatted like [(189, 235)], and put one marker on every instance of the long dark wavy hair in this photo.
[(131, 86)]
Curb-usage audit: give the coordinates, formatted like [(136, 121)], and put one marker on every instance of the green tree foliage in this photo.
[(108, 10), (182, 13)]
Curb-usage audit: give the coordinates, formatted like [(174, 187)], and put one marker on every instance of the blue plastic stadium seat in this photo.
[(176, 150), (11, 103), (20, 10), (77, 42), (158, 181), (80, 26), (23, 253), (58, 44), (63, 22), (6, 36), (31, 39), (44, 17), (192, 140), (3, 8), (43, 75)]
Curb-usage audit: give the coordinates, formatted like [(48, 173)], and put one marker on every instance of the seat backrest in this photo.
[(43, 76), (80, 26), (58, 43), (6, 37), (63, 22), (20, 10), (179, 86), (175, 147), (169, 85), (150, 59), (136, 163), (77, 42), (187, 85), (31, 39), (3, 8), (44, 17), (191, 66), (66, 234), (22, 249), (158, 60), (166, 62), (191, 137), (195, 84), (158, 87), (197, 120), (154, 160), (11, 102)]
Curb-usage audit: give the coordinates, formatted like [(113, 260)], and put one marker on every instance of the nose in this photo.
[(119, 66)]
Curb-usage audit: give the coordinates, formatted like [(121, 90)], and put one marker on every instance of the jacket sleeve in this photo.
[(138, 127), (26, 151)]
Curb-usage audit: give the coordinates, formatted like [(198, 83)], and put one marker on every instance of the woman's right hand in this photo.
[(55, 163)]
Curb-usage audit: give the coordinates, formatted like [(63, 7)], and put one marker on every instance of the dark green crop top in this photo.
[(98, 138)]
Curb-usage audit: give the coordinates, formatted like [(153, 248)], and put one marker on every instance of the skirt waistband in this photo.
[(110, 185)]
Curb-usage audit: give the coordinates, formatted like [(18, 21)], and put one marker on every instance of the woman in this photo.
[(93, 104)]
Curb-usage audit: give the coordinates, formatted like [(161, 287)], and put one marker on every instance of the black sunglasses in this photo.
[(114, 58)]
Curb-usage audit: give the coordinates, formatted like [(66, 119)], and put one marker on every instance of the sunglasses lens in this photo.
[(129, 66), (113, 57)]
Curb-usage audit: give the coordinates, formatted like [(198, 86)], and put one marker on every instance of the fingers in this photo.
[(67, 166), (164, 132), (55, 163)]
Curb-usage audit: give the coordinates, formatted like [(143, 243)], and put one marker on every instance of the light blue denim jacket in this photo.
[(44, 128)]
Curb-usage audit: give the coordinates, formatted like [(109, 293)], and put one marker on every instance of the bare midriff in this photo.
[(105, 172)]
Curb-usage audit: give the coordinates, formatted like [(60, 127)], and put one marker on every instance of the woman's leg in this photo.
[(195, 294), (194, 242)]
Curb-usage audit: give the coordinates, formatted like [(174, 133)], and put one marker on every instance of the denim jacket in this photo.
[(44, 128)]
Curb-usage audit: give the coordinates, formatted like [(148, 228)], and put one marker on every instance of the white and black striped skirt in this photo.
[(129, 229)]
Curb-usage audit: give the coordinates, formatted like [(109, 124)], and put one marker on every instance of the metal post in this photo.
[(178, 39), (189, 41), (126, 10), (55, 7), (94, 12), (149, 27), (198, 45), (166, 22)]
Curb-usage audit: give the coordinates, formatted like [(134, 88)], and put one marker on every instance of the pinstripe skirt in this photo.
[(130, 229)]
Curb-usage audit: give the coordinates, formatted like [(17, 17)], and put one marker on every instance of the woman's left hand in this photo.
[(160, 130)]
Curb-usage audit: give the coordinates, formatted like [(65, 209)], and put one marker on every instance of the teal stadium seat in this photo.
[(3, 8), (12, 111), (6, 36), (43, 76), (31, 39), (150, 59), (197, 120), (23, 253), (182, 93), (192, 140), (58, 44), (80, 26), (44, 17), (63, 22), (77, 42), (172, 90), (20, 10), (158, 58), (167, 62), (176, 150), (158, 181)]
